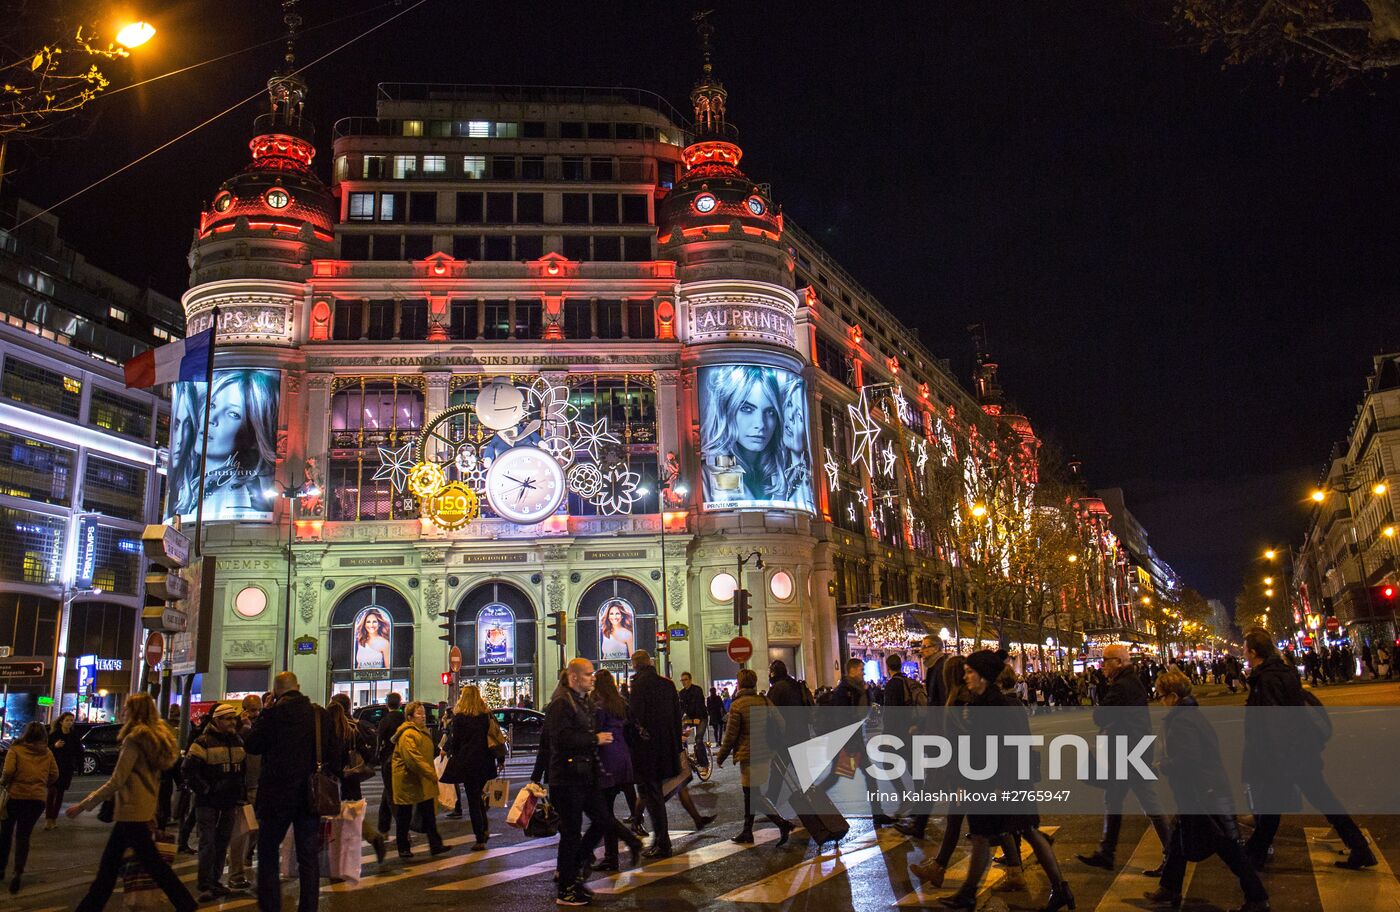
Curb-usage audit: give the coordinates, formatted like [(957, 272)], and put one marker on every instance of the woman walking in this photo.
[(738, 741), (29, 772), (353, 738), (415, 781), (148, 749), (932, 870), (615, 758), (67, 751), (471, 760)]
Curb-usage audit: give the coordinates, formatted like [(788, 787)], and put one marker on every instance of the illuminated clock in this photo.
[(277, 198), (524, 485), (705, 203), (756, 206), (500, 405), (223, 201)]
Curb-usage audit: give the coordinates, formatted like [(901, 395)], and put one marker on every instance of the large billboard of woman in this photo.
[(753, 438), (238, 482), (616, 630), (374, 639)]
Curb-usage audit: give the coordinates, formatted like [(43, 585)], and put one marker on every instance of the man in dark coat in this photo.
[(1123, 711), (1282, 757), (934, 659), (851, 691), (284, 735), (383, 737), (693, 710), (656, 710), (783, 689)]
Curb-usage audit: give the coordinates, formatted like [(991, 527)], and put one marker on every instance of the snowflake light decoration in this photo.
[(560, 448), (865, 433), (921, 459), (887, 459), (551, 402), (593, 437), (394, 465), (426, 479), (618, 490), (831, 469)]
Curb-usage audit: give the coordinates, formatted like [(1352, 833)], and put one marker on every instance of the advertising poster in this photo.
[(495, 635), (374, 639), (753, 438), (616, 630), (242, 457)]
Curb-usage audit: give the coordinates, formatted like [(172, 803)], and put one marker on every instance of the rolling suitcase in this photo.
[(818, 815)]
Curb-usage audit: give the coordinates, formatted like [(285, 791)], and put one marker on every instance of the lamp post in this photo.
[(291, 495)]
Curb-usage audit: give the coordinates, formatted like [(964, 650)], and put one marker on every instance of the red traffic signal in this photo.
[(1388, 592), (447, 677)]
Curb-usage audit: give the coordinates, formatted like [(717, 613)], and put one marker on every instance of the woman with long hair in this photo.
[(68, 753), (415, 781), (471, 761), (148, 748), (29, 771), (615, 757), (349, 736), (615, 630), (372, 644), (796, 461), (242, 445), (741, 420)]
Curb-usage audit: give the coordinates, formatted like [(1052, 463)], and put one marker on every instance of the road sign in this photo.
[(155, 648), (740, 650), (169, 586), (16, 669), (454, 659), (171, 620), (1333, 625), (166, 546)]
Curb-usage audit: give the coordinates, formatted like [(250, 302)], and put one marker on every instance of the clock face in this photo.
[(277, 198), (756, 205), (524, 485), (500, 405), (705, 203)]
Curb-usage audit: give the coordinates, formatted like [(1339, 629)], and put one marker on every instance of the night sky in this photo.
[(1183, 271)]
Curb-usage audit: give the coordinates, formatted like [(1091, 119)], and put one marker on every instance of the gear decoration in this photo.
[(593, 437), (585, 480), (831, 469), (394, 466), (560, 448), (865, 433), (425, 479), (452, 507), (444, 439), (618, 490)]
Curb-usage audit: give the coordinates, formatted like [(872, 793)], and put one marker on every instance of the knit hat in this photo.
[(986, 663), (225, 711)]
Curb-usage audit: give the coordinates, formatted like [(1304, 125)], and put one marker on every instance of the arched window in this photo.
[(371, 630), (615, 617), (496, 629)]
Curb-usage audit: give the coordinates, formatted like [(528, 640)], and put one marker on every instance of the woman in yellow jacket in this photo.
[(415, 781), (29, 770)]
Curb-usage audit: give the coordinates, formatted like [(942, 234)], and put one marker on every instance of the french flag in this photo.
[(187, 359)]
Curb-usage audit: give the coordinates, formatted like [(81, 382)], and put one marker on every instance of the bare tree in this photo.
[(51, 59)]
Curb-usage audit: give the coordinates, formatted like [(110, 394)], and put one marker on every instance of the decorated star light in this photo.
[(394, 465), (831, 469), (865, 433), (593, 437), (618, 490), (901, 405), (863, 497), (921, 459), (887, 459), (851, 511)]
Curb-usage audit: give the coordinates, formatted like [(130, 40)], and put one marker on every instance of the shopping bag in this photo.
[(139, 891), (845, 765), (670, 786), (343, 847), (447, 792), (245, 822), (496, 792), (523, 807)]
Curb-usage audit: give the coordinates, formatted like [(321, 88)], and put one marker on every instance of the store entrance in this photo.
[(369, 693), (516, 690)]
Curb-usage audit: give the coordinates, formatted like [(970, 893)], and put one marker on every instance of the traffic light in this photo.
[(1383, 598), (448, 627), (558, 628), (741, 607), (447, 677), (662, 640)]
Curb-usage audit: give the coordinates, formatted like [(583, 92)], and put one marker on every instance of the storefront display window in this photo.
[(371, 649), (496, 633), (615, 618)]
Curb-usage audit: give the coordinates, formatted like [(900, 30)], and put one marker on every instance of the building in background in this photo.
[(80, 466)]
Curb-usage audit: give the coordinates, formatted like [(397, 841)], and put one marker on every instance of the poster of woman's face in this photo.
[(242, 448), (374, 638), (495, 635), (753, 438), (616, 630)]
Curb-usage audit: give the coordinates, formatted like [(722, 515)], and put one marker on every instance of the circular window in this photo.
[(277, 198), (705, 203), (781, 585), (756, 206), (722, 587), (250, 602), (223, 201)]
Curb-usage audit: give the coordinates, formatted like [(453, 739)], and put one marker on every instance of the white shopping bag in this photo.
[(343, 847), (447, 792), (523, 808), (496, 792)]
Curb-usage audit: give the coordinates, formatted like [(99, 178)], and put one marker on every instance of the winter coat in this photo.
[(392, 721), (1276, 752), (715, 704), (135, 784), (68, 752), (415, 778), (933, 681), (656, 710), (738, 733), (1191, 757), (214, 770), (784, 691), (615, 759), (571, 741), (850, 692), (284, 735), (1129, 715), (29, 771), (990, 714), (470, 759), (692, 701)]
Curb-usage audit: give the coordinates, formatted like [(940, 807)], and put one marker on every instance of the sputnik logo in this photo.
[(811, 758)]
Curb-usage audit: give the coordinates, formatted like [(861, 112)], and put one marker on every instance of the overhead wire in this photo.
[(195, 129)]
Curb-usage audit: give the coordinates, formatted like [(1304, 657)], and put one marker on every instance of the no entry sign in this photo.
[(155, 648), (454, 659), (740, 650)]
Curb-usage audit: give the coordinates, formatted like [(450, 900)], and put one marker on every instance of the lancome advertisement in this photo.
[(753, 438), (242, 458)]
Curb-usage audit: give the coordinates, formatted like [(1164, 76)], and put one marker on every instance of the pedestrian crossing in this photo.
[(957, 874), (807, 874), (1339, 888)]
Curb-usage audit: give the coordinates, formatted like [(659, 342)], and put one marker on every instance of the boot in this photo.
[(1060, 898), (1098, 860), (1359, 858), (785, 828), (1015, 881), (929, 871), (1163, 897), (745, 836)]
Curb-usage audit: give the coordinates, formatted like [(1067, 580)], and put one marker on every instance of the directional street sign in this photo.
[(18, 669)]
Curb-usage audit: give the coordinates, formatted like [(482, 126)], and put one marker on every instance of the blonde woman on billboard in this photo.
[(373, 648), (242, 449)]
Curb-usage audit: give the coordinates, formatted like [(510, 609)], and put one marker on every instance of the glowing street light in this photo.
[(1270, 554), (979, 511), (135, 34), (1319, 496), (1269, 593), (1388, 531), (1268, 581), (1379, 489)]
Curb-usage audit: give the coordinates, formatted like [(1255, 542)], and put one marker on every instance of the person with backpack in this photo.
[(1280, 762), (738, 738)]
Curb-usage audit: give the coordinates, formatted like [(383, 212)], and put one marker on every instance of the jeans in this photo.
[(215, 829), (650, 792), (306, 831), (403, 820), (18, 824), (137, 837), (53, 803), (572, 801)]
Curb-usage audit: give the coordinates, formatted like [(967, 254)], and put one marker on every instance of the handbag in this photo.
[(672, 785), (543, 822), (323, 792), (356, 769), (4, 802)]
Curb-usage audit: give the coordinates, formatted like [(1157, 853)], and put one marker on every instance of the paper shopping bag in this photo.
[(496, 792), (523, 808)]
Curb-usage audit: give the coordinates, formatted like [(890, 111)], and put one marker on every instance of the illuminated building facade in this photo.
[(79, 478)]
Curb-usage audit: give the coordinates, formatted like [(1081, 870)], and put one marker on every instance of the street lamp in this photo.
[(307, 489), (979, 511), (135, 34)]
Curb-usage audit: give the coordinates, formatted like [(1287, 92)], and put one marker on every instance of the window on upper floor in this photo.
[(499, 208), (417, 246), (641, 320), (605, 209), (41, 388), (570, 129), (422, 208), (435, 164), (36, 470), (578, 318), (354, 247), (666, 174), (576, 248), (529, 246), (636, 248), (496, 323), (529, 208), (413, 128), (627, 131), (497, 247), (503, 167), (391, 207), (367, 414), (469, 208), (634, 171), (607, 248), (533, 129), (372, 167), (341, 170), (572, 168), (474, 167), (599, 131), (114, 488), (466, 246), (405, 166), (634, 209), (600, 169), (575, 209), (609, 319), (474, 128), (119, 414), (505, 129), (529, 319), (41, 282), (361, 207), (118, 313), (160, 332), (462, 319), (532, 167)]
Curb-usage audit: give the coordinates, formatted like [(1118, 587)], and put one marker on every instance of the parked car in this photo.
[(522, 728), (373, 713), (100, 748)]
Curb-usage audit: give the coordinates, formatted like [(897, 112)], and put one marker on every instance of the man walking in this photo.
[(284, 735), (934, 659), (1123, 711), (656, 710), (693, 708), (573, 777), (214, 770), (392, 721)]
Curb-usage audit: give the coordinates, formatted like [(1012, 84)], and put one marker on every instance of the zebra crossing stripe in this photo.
[(443, 864), (1341, 890), (1125, 893), (498, 877), (958, 872), (627, 881), (804, 876)]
